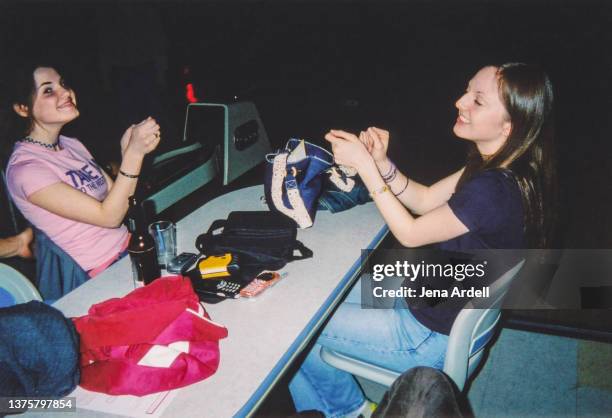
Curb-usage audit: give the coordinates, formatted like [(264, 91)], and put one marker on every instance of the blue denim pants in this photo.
[(391, 338)]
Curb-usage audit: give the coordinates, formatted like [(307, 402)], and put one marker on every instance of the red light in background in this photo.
[(190, 94)]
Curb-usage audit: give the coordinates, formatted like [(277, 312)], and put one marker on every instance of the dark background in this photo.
[(310, 66)]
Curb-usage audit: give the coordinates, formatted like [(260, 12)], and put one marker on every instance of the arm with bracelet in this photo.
[(438, 224), (417, 197), (66, 201)]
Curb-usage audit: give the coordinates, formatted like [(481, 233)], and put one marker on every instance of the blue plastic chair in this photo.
[(471, 332), (15, 287)]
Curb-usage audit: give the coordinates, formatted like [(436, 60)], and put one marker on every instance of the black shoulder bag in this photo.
[(263, 240)]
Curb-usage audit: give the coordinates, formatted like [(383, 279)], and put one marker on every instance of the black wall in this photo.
[(311, 65)]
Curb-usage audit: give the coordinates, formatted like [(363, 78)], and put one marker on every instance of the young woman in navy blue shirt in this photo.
[(500, 199)]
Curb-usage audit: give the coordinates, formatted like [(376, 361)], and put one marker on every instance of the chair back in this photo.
[(15, 287), (473, 329), (471, 332)]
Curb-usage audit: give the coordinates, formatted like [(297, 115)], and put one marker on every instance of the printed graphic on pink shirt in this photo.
[(88, 179)]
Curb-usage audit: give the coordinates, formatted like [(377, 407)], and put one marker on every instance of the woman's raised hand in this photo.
[(125, 139), (141, 138), (348, 149), (376, 141)]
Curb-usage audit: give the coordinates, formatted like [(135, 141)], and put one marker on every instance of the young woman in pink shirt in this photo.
[(54, 180)]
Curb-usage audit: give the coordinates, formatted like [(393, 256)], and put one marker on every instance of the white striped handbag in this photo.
[(293, 180)]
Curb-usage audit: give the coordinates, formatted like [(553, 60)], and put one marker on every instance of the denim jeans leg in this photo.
[(321, 387), (391, 338)]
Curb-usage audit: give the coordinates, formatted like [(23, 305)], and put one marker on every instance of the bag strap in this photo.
[(305, 252), (341, 180), (204, 240), (219, 223), (298, 211), (311, 150)]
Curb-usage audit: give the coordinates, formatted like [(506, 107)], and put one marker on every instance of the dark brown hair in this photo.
[(528, 153), (19, 89)]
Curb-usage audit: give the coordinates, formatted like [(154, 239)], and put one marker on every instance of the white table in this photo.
[(268, 332)]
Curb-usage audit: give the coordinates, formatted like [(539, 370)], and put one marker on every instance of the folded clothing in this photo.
[(156, 338)]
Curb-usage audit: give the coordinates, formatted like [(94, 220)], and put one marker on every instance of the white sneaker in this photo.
[(364, 411)]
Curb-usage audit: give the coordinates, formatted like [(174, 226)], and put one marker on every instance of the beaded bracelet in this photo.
[(130, 176), (390, 176)]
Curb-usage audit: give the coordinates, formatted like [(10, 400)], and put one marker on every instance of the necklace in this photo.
[(42, 144)]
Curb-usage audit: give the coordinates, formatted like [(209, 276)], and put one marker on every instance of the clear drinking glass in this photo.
[(164, 234)]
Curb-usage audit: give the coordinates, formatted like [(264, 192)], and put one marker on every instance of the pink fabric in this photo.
[(32, 168), (119, 333), (97, 270)]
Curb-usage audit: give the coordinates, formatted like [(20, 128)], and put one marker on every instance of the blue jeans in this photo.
[(391, 338)]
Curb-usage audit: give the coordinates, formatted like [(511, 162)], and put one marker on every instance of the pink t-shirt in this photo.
[(33, 167)]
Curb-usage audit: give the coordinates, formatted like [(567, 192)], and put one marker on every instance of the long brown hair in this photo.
[(528, 153)]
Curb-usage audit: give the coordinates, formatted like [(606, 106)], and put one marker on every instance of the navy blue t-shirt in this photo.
[(490, 206)]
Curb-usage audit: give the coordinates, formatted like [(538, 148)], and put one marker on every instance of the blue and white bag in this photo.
[(302, 178), (293, 180)]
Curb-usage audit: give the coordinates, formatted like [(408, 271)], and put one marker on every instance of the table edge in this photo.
[(304, 337)]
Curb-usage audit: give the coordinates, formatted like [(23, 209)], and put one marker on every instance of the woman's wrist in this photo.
[(384, 166), (389, 175), (131, 154), (128, 175), (131, 164), (366, 165)]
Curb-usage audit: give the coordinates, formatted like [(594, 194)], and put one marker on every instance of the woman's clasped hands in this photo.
[(141, 138), (359, 151)]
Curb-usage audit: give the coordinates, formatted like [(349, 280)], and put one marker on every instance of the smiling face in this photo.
[(53, 104), (482, 117)]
